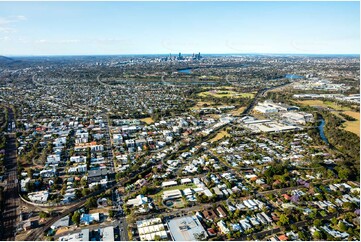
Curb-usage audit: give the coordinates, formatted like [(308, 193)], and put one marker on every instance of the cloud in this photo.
[(20, 18), (64, 41), (6, 23), (4, 38)]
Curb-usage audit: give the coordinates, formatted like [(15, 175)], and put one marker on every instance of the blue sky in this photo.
[(76, 28)]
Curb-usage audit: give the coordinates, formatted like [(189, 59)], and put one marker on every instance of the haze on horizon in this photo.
[(120, 28)]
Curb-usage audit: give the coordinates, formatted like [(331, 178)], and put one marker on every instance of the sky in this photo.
[(116, 28)]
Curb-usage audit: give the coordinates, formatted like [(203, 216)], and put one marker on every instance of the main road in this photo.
[(11, 194)]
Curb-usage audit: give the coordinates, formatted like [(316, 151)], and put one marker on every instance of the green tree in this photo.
[(76, 218), (43, 214), (334, 221), (85, 192), (302, 236), (317, 223), (111, 213), (317, 235), (342, 226), (283, 220), (90, 203), (344, 173)]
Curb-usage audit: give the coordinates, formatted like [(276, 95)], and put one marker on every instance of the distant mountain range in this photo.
[(7, 61), (4, 58)]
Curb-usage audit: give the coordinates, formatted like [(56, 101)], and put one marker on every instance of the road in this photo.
[(12, 202)]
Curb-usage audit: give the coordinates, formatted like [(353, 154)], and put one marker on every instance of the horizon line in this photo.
[(174, 54)]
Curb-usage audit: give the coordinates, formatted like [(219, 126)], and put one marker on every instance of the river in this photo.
[(293, 76), (320, 128), (185, 71)]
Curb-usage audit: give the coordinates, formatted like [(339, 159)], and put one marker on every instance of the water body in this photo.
[(293, 76), (185, 71), (320, 128)]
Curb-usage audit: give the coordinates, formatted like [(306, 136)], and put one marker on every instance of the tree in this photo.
[(111, 213), (302, 236), (76, 218), (317, 223), (342, 226), (83, 182), (344, 173), (317, 235), (334, 221), (85, 191), (283, 220), (349, 206), (43, 214), (78, 193), (90, 203)]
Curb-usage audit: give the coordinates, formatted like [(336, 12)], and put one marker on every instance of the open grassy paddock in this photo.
[(219, 136), (148, 120), (325, 104), (238, 111), (353, 126)]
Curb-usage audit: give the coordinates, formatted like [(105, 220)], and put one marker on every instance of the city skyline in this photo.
[(127, 28)]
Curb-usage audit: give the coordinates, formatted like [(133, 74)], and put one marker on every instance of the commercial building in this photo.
[(83, 235), (186, 229)]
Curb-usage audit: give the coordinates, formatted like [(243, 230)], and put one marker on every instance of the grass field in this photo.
[(353, 126), (147, 120), (199, 105), (325, 104), (180, 187), (225, 93), (219, 136)]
